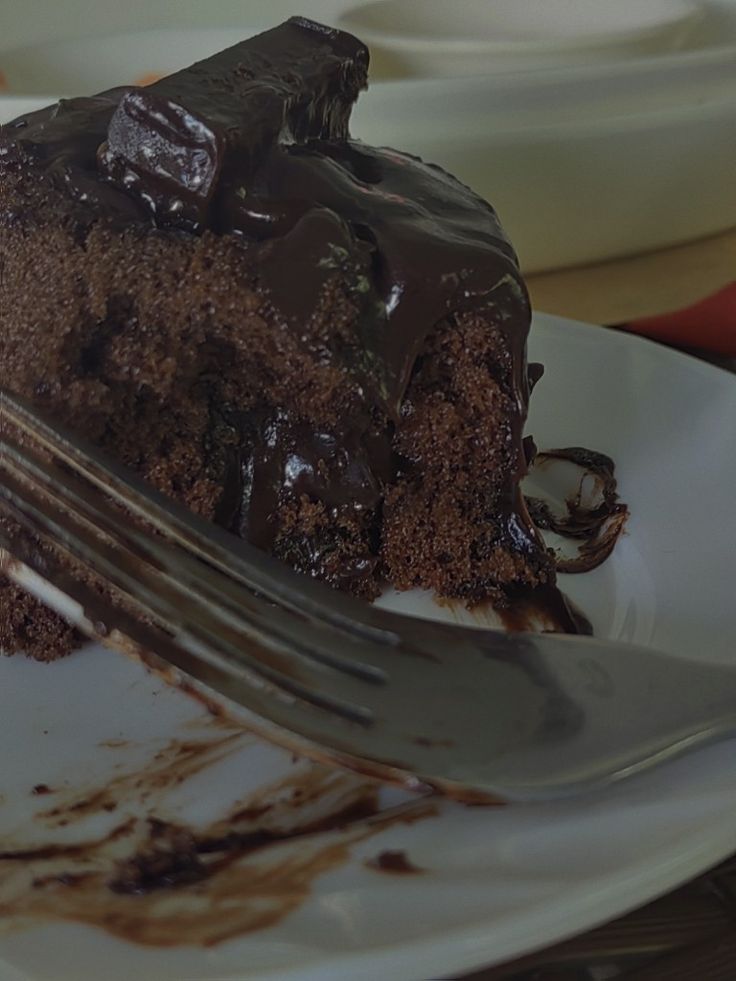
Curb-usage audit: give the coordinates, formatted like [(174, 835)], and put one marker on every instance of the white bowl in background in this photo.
[(580, 168), (582, 164), (84, 66), (427, 38)]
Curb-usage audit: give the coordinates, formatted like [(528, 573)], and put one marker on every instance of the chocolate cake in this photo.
[(318, 344)]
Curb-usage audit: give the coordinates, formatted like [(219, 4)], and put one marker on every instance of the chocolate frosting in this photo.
[(423, 245), (254, 142)]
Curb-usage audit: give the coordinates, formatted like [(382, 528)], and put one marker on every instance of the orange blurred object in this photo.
[(709, 324), (147, 79)]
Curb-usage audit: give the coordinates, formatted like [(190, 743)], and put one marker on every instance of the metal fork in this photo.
[(476, 714)]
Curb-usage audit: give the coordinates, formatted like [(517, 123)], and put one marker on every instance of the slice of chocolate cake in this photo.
[(317, 344)]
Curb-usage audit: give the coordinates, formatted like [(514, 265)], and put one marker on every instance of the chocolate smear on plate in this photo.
[(113, 857), (593, 513)]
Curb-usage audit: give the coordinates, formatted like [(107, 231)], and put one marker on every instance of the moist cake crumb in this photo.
[(317, 344)]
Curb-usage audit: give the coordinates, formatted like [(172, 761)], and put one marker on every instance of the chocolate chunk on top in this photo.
[(170, 143)]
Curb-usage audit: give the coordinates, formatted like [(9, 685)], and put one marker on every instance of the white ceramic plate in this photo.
[(496, 882)]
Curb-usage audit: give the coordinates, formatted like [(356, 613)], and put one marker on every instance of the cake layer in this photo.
[(318, 344)]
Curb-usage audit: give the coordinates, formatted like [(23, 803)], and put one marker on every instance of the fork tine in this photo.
[(298, 727), (237, 559), (511, 716), (428, 728), (154, 594), (229, 597)]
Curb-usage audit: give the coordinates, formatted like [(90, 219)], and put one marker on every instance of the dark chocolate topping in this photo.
[(348, 468), (423, 246), (170, 144), (417, 247)]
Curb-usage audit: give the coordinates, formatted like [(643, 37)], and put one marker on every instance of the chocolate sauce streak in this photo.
[(544, 608), (173, 856), (253, 142), (241, 872), (593, 514), (418, 248)]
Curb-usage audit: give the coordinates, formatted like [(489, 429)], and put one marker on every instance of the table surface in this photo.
[(690, 934), (642, 286)]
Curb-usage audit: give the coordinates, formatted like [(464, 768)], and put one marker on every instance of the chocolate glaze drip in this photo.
[(343, 469), (598, 525), (254, 142), (175, 856), (422, 247), (546, 608), (418, 247)]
